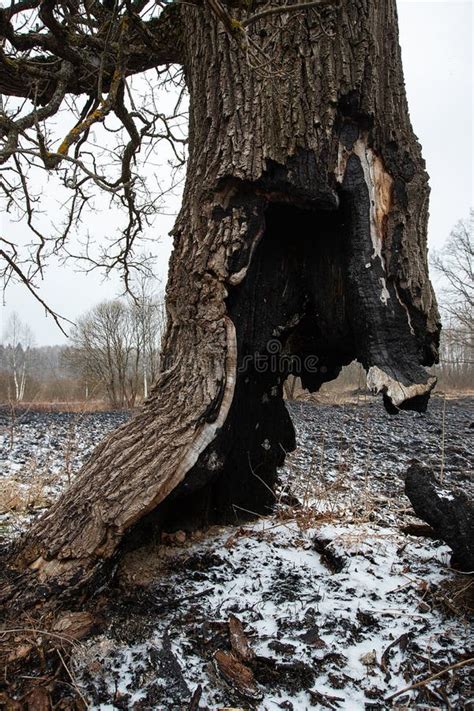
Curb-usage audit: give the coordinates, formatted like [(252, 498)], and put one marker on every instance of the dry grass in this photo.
[(79, 406), (456, 595), (336, 497), (452, 393), (19, 498)]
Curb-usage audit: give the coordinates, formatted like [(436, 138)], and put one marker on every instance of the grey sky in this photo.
[(436, 39)]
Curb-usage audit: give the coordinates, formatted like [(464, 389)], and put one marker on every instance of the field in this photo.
[(328, 602)]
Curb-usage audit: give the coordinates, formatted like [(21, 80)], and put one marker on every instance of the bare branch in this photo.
[(52, 51), (27, 282)]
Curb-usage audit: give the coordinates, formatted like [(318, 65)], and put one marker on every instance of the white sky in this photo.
[(436, 38)]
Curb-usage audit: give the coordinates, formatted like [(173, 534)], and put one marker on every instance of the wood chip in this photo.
[(74, 625), (20, 652), (237, 675), (238, 640), (38, 700)]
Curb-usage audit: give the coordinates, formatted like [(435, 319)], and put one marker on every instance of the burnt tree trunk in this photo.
[(450, 513), (300, 245)]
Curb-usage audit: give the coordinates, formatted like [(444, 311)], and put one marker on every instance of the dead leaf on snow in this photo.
[(369, 659)]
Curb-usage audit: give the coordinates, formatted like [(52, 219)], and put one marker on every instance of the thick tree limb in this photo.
[(236, 27), (149, 44)]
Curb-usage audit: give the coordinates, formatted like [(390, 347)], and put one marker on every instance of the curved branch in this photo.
[(286, 8), (74, 49), (239, 27), (12, 129)]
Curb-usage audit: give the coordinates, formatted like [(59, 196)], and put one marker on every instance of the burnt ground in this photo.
[(325, 603)]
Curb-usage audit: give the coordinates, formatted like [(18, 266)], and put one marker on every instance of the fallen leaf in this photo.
[(369, 659), (20, 652)]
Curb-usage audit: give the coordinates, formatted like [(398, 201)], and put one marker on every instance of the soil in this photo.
[(324, 603)]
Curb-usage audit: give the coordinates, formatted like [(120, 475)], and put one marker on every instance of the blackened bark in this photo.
[(450, 513), (300, 245)]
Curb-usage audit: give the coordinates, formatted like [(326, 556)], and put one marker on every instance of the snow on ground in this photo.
[(339, 607), (321, 639), (39, 454)]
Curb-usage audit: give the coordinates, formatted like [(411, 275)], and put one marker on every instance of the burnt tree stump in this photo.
[(449, 512), (300, 246)]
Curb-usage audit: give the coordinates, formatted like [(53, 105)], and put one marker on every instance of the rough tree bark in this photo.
[(300, 245)]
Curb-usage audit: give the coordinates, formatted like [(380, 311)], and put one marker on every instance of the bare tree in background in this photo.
[(18, 341), (455, 263), (103, 351), (117, 344), (147, 311)]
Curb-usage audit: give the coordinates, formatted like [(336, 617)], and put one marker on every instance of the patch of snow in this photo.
[(321, 638)]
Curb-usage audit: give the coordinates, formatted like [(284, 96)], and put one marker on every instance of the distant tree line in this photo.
[(113, 355), (35, 373), (15, 356)]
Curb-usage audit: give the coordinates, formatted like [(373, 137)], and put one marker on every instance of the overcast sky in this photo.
[(436, 39)]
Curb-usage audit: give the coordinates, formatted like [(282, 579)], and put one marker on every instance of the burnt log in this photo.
[(449, 512)]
